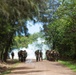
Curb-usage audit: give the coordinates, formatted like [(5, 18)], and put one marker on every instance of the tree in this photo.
[(63, 29), (23, 41), (13, 17)]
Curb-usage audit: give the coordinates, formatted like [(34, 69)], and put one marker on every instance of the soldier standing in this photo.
[(41, 55), (24, 55), (12, 54), (37, 55)]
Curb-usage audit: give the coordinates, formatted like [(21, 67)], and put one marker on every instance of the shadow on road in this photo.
[(20, 68), (11, 62), (25, 72)]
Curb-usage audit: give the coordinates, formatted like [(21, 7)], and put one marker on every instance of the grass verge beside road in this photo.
[(70, 64), (11, 64)]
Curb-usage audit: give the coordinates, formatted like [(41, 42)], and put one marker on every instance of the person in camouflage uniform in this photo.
[(52, 55), (56, 55), (22, 55), (48, 54), (37, 54), (12, 54), (41, 55)]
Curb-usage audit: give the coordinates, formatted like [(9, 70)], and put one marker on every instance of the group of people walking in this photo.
[(51, 55), (22, 55)]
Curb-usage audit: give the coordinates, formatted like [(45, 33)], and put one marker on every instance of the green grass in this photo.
[(10, 62), (6, 72), (70, 64)]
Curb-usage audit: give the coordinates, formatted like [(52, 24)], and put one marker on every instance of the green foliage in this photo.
[(13, 19), (23, 41), (70, 64), (62, 31)]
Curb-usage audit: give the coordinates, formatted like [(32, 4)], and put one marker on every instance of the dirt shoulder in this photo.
[(30, 67), (6, 66)]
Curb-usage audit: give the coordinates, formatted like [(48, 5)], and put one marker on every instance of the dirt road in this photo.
[(41, 68)]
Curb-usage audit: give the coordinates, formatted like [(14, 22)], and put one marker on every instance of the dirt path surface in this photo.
[(41, 68)]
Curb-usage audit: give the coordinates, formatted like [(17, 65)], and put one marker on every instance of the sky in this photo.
[(34, 28)]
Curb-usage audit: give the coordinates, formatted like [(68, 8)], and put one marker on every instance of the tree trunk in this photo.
[(53, 45), (8, 46), (2, 55)]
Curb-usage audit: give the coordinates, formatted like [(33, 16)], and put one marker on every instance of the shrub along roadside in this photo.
[(70, 64)]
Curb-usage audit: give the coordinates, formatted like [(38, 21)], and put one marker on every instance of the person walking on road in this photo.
[(41, 55), (12, 54)]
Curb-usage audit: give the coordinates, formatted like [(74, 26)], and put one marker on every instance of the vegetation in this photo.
[(5, 68), (23, 41), (58, 17), (70, 64), (61, 32), (13, 21)]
